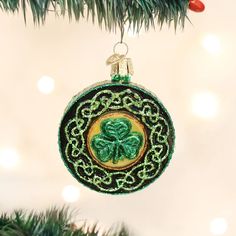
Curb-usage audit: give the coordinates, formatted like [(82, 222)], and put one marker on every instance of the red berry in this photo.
[(196, 5)]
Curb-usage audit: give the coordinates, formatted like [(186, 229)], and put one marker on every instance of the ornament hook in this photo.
[(121, 44), (121, 66)]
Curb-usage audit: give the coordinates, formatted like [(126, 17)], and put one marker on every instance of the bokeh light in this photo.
[(218, 226), (46, 84), (212, 44), (71, 193), (205, 105), (9, 158)]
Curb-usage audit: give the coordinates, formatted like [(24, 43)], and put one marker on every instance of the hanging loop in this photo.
[(122, 46)]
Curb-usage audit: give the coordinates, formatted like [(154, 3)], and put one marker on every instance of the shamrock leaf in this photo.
[(116, 128), (103, 147), (116, 141), (131, 145)]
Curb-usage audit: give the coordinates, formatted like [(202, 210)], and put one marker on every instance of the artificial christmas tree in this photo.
[(53, 222)]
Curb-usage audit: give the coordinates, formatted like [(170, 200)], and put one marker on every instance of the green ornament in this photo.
[(116, 137)]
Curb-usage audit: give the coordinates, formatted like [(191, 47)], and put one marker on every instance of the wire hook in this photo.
[(122, 30)]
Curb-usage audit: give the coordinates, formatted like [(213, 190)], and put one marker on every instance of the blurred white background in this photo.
[(191, 71)]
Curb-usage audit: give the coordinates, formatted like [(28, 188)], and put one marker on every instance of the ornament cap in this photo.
[(121, 66), (115, 58)]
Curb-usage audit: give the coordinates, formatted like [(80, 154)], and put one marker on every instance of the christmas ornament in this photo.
[(196, 5), (116, 137)]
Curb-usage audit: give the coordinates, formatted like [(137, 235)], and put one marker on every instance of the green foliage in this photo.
[(53, 222), (110, 13)]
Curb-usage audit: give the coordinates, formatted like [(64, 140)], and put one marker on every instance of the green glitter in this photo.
[(121, 79), (116, 141)]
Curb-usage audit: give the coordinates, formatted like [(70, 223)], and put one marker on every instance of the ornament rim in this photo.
[(107, 84)]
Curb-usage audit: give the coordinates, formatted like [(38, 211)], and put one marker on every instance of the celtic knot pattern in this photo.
[(130, 99)]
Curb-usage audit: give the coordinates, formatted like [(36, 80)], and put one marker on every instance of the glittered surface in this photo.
[(93, 103), (116, 140)]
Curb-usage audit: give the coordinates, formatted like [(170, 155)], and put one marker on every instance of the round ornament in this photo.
[(196, 5), (116, 137)]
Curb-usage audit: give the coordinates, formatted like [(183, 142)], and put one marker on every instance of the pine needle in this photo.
[(109, 13), (53, 222)]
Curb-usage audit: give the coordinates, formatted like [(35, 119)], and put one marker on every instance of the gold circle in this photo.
[(137, 126)]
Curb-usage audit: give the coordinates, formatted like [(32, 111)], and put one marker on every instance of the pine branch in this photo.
[(108, 13), (53, 222)]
